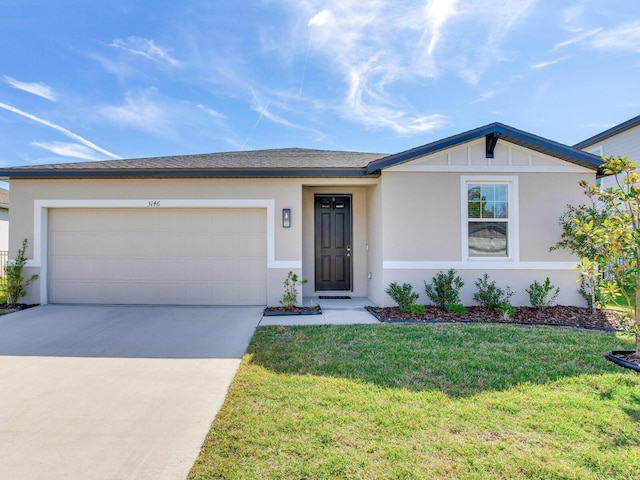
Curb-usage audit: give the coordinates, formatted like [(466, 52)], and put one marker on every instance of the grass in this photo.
[(437, 401)]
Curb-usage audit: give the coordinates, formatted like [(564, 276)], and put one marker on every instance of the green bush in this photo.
[(456, 308), (16, 282), (444, 289), (542, 295), (415, 309), (290, 295), (506, 310), (404, 296), (489, 295)]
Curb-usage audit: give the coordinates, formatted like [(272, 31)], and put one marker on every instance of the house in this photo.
[(4, 224), (226, 228), (623, 140)]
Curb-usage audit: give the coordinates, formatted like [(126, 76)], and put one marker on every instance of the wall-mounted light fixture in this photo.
[(286, 217)]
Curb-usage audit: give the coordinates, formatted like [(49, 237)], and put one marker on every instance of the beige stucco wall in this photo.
[(422, 227), (285, 193), (375, 241), (4, 229), (421, 216)]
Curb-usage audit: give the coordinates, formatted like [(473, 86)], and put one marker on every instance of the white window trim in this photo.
[(513, 247)]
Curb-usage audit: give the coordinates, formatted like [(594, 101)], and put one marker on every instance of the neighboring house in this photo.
[(4, 223), (622, 140), (226, 228)]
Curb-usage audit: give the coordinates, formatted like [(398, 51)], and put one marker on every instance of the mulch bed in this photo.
[(276, 311), (4, 308), (559, 315)]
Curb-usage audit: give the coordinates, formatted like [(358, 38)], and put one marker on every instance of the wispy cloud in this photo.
[(578, 37), (438, 12), (65, 149), (377, 45), (547, 63), (266, 107), (60, 129), (39, 89), (624, 37), (488, 95), (150, 111), (212, 113), (144, 110), (145, 48)]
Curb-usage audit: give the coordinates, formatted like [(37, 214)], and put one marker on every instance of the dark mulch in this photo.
[(274, 311), (556, 315), (4, 308)]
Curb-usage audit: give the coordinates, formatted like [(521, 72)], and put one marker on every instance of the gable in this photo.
[(493, 135), (471, 157)]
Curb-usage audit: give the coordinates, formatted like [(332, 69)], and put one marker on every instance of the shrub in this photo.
[(542, 295), (16, 282), (415, 309), (290, 295), (489, 295), (506, 310), (403, 295), (444, 289), (456, 308)]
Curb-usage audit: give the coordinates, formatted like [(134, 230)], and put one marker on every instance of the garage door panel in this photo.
[(158, 256)]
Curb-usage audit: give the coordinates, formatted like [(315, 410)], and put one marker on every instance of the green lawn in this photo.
[(427, 401)]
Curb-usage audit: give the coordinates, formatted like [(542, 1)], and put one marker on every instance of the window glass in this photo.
[(488, 201)]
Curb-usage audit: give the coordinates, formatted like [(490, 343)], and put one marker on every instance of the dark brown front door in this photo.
[(333, 242)]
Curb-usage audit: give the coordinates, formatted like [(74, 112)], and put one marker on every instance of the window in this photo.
[(489, 218)]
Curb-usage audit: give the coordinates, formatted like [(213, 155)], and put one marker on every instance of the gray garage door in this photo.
[(158, 256)]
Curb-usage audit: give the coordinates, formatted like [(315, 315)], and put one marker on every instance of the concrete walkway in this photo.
[(98, 392)]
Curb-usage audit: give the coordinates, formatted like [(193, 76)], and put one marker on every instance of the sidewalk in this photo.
[(334, 312)]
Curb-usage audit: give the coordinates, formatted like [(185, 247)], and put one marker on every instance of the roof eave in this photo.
[(623, 127)]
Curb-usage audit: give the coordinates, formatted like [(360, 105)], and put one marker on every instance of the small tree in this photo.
[(611, 236), (16, 282), (585, 247), (290, 296)]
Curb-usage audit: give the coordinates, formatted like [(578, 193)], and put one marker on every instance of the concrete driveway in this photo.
[(114, 392)]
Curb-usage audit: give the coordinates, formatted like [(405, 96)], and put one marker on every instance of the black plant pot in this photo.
[(613, 357)]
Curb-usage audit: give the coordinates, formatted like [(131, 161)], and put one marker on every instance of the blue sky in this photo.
[(89, 80)]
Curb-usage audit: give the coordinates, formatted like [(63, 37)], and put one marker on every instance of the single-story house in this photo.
[(226, 228)]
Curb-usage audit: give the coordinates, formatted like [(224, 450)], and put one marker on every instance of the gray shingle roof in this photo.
[(283, 162), (290, 162)]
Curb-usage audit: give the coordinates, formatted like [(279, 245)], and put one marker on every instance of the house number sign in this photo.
[(153, 203)]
